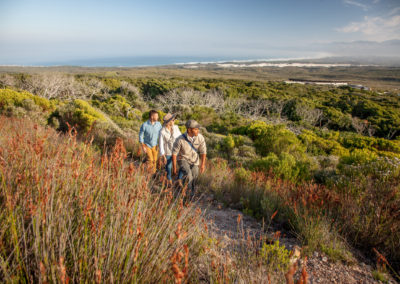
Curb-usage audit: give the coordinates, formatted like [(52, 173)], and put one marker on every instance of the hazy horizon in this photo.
[(153, 61)]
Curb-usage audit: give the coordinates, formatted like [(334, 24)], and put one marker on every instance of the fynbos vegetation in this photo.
[(321, 161)]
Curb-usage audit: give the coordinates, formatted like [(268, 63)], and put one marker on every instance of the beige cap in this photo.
[(191, 123)]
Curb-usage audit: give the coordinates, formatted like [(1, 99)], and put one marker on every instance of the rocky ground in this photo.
[(223, 223)]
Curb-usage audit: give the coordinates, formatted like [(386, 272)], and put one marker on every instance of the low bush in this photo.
[(79, 114), (272, 138), (316, 145), (371, 143), (336, 120), (117, 106), (276, 257), (23, 99), (286, 166)]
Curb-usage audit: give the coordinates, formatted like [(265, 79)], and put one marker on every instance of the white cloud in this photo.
[(357, 4), (376, 28), (394, 11)]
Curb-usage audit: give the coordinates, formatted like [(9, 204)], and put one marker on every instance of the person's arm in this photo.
[(174, 169), (203, 153), (202, 163), (178, 131), (161, 146), (141, 138), (175, 151)]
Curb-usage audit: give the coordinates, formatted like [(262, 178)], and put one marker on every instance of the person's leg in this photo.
[(195, 175), (180, 174), (154, 153), (186, 172), (168, 168), (149, 159)]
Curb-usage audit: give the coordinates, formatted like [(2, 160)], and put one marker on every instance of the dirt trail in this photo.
[(223, 225)]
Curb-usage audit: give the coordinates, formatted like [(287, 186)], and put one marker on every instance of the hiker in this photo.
[(190, 151), (168, 134), (148, 138)]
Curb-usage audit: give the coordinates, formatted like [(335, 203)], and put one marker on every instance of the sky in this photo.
[(34, 31)]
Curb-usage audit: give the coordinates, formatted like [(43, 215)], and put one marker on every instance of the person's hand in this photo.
[(202, 168), (144, 149), (174, 171), (164, 159)]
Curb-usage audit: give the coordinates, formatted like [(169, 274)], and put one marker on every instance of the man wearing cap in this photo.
[(190, 152), (148, 138), (168, 135)]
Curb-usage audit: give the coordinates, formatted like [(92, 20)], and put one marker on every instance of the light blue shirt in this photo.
[(149, 133)]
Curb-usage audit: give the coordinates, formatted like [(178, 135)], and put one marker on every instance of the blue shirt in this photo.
[(149, 133)]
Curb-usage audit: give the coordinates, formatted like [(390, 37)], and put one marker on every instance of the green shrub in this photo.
[(213, 141), (358, 157), (115, 106), (114, 85), (120, 111), (226, 122), (286, 166), (239, 140), (77, 113), (227, 145), (206, 116), (12, 110), (275, 256), (152, 88), (272, 138), (319, 146), (300, 110), (242, 176), (351, 140), (53, 122), (243, 155), (26, 100), (126, 123), (336, 119), (365, 109)]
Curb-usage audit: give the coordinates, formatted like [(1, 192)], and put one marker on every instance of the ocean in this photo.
[(138, 61), (135, 61)]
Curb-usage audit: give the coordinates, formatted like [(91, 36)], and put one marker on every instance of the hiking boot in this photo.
[(169, 184), (179, 184)]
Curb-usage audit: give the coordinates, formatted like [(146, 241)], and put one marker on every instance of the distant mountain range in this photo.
[(362, 49), (333, 61)]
